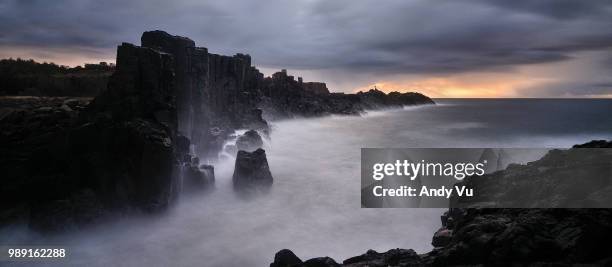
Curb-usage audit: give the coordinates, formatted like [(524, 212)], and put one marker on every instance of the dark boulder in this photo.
[(285, 258), (251, 170), (442, 237), (249, 141)]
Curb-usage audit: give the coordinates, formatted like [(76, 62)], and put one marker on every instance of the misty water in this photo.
[(313, 206)]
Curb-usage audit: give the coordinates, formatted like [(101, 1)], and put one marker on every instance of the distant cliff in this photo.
[(30, 78)]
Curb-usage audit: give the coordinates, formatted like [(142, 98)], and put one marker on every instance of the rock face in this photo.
[(120, 153), (249, 141), (493, 237), (252, 170), (213, 91), (139, 111)]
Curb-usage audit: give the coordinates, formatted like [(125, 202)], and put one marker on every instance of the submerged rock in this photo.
[(251, 170), (249, 141)]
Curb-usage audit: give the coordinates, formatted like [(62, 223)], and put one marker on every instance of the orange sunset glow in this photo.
[(469, 86)]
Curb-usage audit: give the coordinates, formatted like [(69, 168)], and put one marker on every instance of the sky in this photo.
[(445, 48)]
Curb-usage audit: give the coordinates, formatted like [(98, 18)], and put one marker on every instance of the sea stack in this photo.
[(252, 170)]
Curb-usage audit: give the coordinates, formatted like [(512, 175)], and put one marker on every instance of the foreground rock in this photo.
[(494, 237), (576, 177), (503, 237), (252, 170), (393, 257)]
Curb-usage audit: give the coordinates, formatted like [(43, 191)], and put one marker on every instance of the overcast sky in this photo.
[(549, 48)]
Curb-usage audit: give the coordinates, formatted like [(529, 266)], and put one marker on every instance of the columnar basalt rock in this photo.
[(130, 133), (213, 91), (218, 94), (118, 154), (252, 170), (190, 66)]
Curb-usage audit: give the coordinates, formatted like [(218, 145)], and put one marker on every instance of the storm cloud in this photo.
[(361, 38)]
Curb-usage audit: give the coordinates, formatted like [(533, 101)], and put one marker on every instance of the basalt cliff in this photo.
[(137, 146)]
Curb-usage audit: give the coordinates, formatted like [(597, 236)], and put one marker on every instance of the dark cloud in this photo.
[(570, 89), (559, 9), (374, 37)]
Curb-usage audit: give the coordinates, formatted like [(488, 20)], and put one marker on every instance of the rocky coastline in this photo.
[(151, 135), (506, 237)]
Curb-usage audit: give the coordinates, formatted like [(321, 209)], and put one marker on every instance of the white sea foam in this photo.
[(313, 207)]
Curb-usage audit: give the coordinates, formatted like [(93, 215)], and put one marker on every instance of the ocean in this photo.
[(313, 207)]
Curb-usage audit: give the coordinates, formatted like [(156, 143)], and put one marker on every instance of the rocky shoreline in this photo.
[(151, 135), (494, 236)]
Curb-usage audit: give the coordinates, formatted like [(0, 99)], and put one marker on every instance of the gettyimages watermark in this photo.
[(486, 178)]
